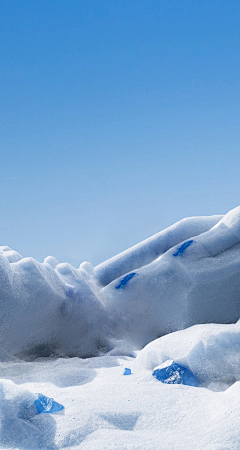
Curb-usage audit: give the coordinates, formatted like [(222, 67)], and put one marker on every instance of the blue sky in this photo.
[(118, 118)]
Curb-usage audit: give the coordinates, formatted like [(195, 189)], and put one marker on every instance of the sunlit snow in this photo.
[(140, 352)]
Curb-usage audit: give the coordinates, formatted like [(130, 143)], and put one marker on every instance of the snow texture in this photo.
[(165, 310), (125, 280), (50, 308)]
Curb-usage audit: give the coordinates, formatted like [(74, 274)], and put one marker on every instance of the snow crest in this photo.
[(185, 275)]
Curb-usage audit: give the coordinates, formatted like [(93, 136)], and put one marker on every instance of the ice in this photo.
[(210, 351), (125, 280), (173, 373), (172, 293), (104, 409), (51, 308), (46, 310), (182, 248), (47, 405), (168, 306), (147, 251), (19, 427)]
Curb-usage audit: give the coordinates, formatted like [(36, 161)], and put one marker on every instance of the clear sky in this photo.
[(118, 118)]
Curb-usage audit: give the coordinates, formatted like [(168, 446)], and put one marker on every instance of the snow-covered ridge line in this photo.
[(147, 251), (185, 275)]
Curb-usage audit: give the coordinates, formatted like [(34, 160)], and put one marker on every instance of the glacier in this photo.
[(148, 291), (70, 334)]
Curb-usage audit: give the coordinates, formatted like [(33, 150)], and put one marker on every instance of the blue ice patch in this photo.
[(125, 280), (183, 247), (47, 405), (176, 374), (127, 371)]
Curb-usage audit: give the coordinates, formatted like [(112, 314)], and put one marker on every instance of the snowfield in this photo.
[(140, 352)]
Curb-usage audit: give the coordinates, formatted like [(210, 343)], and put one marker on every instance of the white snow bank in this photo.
[(196, 281), (21, 427), (147, 251), (9, 254), (103, 409), (164, 284), (211, 352), (45, 310), (172, 285)]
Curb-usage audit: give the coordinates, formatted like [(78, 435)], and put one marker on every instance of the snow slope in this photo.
[(184, 275), (70, 334), (105, 409)]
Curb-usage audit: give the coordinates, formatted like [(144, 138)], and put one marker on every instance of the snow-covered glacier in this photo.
[(140, 352), (187, 274)]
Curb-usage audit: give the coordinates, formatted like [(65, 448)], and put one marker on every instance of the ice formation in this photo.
[(211, 352), (173, 373), (187, 274), (165, 310)]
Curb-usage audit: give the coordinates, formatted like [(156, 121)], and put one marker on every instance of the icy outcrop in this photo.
[(147, 251), (180, 288), (46, 310), (210, 351), (187, 274), (9, 254), (173, 373), (21, 424), (47, 405)]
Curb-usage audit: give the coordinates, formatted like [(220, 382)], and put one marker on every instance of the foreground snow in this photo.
[(70, 334), (105, 409)]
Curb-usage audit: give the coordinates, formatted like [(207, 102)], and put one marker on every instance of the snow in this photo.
[(211, 352), (140, 352)]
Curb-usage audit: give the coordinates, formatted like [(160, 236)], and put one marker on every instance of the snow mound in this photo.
[(105, 410), (185, 275), (9, 254), (211, 352), (191, 282), (21, 426), (46, 310)]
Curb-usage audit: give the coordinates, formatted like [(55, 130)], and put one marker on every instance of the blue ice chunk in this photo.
[(47, 405), (127, 371), (125, 280), (183, 247), (176, 374)]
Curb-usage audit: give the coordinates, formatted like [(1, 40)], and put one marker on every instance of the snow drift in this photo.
[(187, 274), (176, 293)]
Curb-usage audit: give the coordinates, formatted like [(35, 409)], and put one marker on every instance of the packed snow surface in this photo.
[(140, 352)]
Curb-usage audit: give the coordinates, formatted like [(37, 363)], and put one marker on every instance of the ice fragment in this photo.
[(173, 373), (47, 405), (183, 247), (125, 280)]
